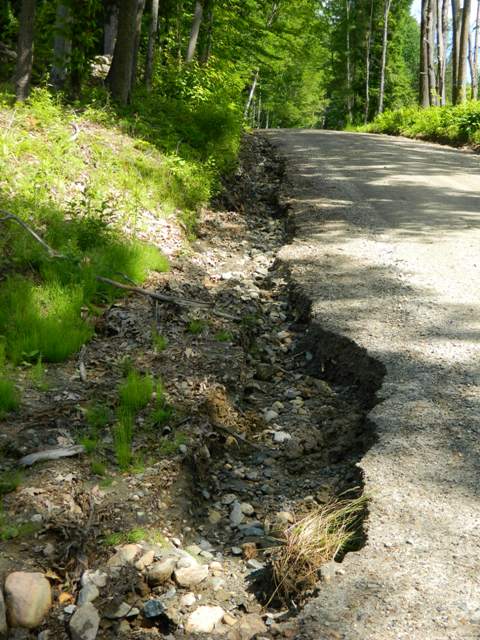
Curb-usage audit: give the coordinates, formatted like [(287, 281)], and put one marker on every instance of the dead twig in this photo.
[(7, 215)]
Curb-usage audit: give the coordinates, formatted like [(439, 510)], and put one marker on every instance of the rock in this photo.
[(247, 509), (125, 555), (270, 416), (191, 576), (236, 551), (188, 600), (207, 555), (88, 593), (284, 518), (217, 583), (122, 610), (28, 599), (84, 623), (216, 566), (247, 628), (3, 615), (229, 620), (124, 628), (254, 564), (228, 498), (160, 572), (204, 619), (186, 561), (153, 609), (193, 549), (281, 436), (70, 609), (146, 560), (253, 532), (214, 517), (98, 578), (236, 514)]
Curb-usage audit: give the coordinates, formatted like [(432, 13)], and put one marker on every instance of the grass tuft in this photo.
[(196, 326), (9, 481), (9, 395), (314, 540), (136, 391)]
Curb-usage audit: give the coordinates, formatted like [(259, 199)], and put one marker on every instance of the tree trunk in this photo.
[(120, 75), (442, 51), (62, 46), (456, 29), (476, 43), (349, 65), (432, 78), (251, 93), (206, 48), (424, 97), (110, 30), (196, 24), (367, 64), (23, 71), (386, 14), (152, 38), (138, 33), (462, 58)]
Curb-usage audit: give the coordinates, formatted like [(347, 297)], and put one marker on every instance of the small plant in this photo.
[(97, 416), (9, 481), (160, 416), (126, 365), (160, 342), (196, 326), (98, 468), (9, 395), (315, 539), (90, 442), (10, 530), (169, 447), (224, 336), (136, 391), (38, 375), (154, 536), (122, 439)]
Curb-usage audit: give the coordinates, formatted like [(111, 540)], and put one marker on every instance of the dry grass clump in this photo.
[(315, 539)]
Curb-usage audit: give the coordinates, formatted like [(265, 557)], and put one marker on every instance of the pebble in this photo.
[(183, 449), (84, 623), (98, 578), (125, 555), (186, 561), (281, 436), (217, 583), (193, 549), (236, 551), (229, 620), (123, 610), (251, 626), (160, 572), (247, 509), (153, 609), (88, 593), (255, 564), (228, 498), (70, 609), (255, 532), (204, 619), (236, 514), (188, 600), (207, 555), (270, 416), (146, 560), (28, 599), (191, 576)]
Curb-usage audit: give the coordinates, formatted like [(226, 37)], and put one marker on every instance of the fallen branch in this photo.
[(11, 216), (7, 215)]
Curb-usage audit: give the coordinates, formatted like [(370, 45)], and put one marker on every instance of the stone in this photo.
[(191, 576), (153, 609), (247, 628), (228, 498), (254, 564), (84, 623), (161, 571), (98, 578), (236, 551), (229, 620), (193, 549), (236, 514), (253, 532), (281, 436), (88, 593), (247, 509), (284, 518), (214, 516), (28, 599), (216, 566), (122, 610), (208, 555), (70, 609), (186, 561), (217, 583), (146, 560), (125, 555), (3, 615), (188, 600), (204, 619), (270, 416)]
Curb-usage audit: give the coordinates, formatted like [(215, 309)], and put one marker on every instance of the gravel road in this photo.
[(387, 249)]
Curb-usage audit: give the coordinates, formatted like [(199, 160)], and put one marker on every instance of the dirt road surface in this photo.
[(387, 250)]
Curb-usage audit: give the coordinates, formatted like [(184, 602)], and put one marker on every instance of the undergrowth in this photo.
[(454, 124)]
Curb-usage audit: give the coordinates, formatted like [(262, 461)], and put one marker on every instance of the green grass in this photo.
[(459, 124), (122, 439), (160, 342), (170, 447), (38, 376), (98, 416), (196, 326), (9, 395), (136, 391), (224, 336), (153, 536), (9, 481), (98, 468)]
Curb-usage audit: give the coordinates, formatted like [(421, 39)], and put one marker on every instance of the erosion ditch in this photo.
[(264, 420)]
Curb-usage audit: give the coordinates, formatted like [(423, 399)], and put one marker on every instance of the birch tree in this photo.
[(461, 95), (386, 14), (23, 71), (152, 39), (195, 31)]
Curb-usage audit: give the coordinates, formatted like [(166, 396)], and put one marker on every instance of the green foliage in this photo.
[(458, 124), (98, 468), (38, 375), (122, 439), (169, 447), (224, 336), (97, 416), (196, 326), (136, 391), (160, 342), (9, 395), (134, 536), (9, 481)]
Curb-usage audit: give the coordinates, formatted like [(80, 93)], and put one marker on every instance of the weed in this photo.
[(136, 391), (98, 468), (9, 481), (126, 365), (106, 482), (196, 326), (122, 439), (97, 416), (315, 539), (10, 530), (224, 336), (38, 375), (170, 447), (9, 395), (153, 536), (160, 416), (160, 342)]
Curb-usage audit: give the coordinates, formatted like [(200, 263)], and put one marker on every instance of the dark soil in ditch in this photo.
[(264, 420)]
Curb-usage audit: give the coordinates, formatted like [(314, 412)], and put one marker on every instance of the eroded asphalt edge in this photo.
[(417, 577)]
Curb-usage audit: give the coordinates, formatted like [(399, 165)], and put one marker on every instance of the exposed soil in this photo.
[(268, 413)]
